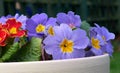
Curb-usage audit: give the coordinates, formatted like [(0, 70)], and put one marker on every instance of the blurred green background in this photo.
[(104, 12)]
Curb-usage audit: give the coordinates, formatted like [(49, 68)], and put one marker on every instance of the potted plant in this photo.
[(63, 44)]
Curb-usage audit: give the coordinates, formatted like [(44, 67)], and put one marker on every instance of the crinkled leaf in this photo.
[(29, 52), (85, 26), (11, 50)]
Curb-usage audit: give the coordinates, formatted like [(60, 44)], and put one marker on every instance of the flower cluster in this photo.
[(10, 29), (63, 37)]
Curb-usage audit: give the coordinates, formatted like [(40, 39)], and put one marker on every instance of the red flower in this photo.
[(1, 26), (3, 36), (13, 28)]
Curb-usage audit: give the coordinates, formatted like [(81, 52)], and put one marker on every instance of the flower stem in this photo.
[(43, 54)]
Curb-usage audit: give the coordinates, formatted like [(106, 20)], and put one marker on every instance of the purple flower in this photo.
[(38, 23), (3, 19), (100, 40), (66, 43), (70, 19), (96, 42), (102, 31)]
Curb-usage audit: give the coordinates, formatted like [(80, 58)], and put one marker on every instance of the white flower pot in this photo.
[(96, 64)]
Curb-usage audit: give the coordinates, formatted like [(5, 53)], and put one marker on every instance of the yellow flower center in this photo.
[(13, 30), (51, 31), (40, 28), (66, 46), (95, 43)]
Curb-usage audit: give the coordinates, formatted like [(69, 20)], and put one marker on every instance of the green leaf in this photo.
[(85, 26), (22, 41), (29, 52), (10, 51)]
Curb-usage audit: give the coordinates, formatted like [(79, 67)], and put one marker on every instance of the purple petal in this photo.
[(16, 39), (3, 20), (74, 19), (43, 18), (75, 54), (62, 31), (107, 34), (57, 55), (62, 18), (102, 42), (78, 53), (97, 51), (108, 48), (66, 56), (97, 25), (9, 16), (22, 18), (66, 31), (51, 44), (16, 16), (71, 17), (70, 13), (58, 34), (92, 32), (51, 22), (50, 41), (80, 39), (97, 29), (31, 25), (89, 53), (40, 18), (51, 49), (77, 21)]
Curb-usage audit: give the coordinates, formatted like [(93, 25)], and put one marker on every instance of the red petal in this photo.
[(2, 44), (3, 35), (19, 34), (0, 25), (18, 24), (5, 26), (13, 23)]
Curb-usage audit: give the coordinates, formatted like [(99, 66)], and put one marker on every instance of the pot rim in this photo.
[(63, 60)]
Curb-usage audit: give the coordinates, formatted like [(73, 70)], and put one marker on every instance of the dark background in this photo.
[(103, 12)]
